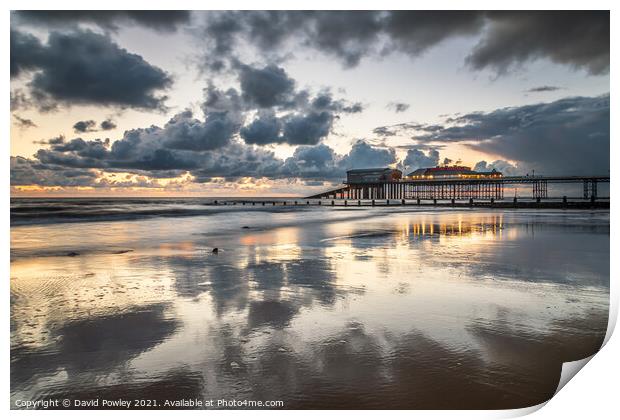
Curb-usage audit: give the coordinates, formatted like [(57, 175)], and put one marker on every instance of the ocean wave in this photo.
[(31, 212)]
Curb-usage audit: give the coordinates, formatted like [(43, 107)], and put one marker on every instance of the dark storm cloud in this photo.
[(398, 106), (307, 128), (265, 129), (414, 32), (83, 67), (506, 39), (293, 129), (576, 38), (159, 20), (545, 88), (266, 87), (347, 35), (24, 123), (416, 159), (570, 135), (283, 113), (187, 133), (107, 125), (85, 126), (26, 52)]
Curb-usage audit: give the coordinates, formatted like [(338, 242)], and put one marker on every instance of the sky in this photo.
[(282, 103)]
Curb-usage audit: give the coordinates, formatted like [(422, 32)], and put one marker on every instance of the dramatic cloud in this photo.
[(283, 113), (506, 168), (19, 100), (186, 144), (307, 128), (576, 38), (398, 106), (159, 20), (539, 89), (506, 39), (90, 126), (266, 87), (318, 162), (23, 123), (107, 125), (363, 155), (83, 67), (568, 136), (31, 172), (265, 129), (414, 32), (53, 140), (399, 129), (85, 126), (294, 129), (416, 159), (183, 132), (26, 52)]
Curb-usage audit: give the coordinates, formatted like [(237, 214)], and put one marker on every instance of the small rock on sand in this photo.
[(282, 350), (72, 254), (234, 365), (215, 251)]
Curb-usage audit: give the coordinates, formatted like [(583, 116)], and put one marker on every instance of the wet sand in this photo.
[(318, 308)]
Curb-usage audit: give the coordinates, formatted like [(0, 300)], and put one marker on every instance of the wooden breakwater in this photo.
[(557, 203)]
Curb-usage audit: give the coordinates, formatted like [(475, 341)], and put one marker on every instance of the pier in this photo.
[(445, 186), (481, 188)]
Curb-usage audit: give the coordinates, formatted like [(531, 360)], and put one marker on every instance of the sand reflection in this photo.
[(368, 309)]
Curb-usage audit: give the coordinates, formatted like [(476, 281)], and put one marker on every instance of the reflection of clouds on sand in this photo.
[(395, 310), (186, 384), (90, 347)]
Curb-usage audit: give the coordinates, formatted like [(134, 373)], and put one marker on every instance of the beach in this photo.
[(316, 307)]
